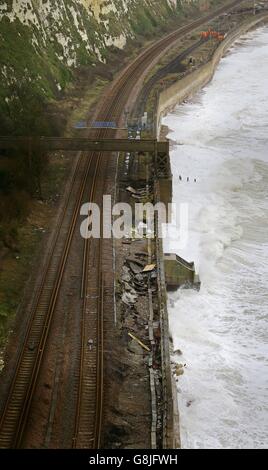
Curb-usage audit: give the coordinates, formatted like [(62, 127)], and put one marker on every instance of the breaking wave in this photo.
[(222, 142)]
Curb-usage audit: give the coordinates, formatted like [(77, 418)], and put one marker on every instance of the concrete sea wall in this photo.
[(191, 83), (170, 97)]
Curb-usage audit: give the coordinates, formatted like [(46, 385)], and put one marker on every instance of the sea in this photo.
[(219, 162)]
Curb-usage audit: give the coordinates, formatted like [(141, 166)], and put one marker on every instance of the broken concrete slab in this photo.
[(129, 298), (135, 268)]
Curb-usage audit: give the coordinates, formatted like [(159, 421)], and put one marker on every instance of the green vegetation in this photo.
[(37, 66), (13, 277), (21, 239), (34, 71)]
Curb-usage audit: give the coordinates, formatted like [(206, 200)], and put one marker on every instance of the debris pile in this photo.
[(134, 280)]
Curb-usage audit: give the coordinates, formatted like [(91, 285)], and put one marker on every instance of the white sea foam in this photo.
[(222, 330)]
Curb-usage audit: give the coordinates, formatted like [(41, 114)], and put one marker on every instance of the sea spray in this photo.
[(222, 330)]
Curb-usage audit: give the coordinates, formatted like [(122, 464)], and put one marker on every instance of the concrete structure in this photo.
[(171, 428), (179, 272)]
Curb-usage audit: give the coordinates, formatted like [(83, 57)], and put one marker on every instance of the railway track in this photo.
[(13, 419), (90, 392), (90, 397), (95, 287)]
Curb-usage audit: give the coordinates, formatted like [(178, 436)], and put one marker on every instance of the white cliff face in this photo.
[(96, 24), (42, 41)]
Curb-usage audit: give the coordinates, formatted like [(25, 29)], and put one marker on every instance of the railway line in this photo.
[(96, 284)]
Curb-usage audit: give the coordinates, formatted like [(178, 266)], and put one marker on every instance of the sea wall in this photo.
[(170, 412), (170, 97), (194, 81)]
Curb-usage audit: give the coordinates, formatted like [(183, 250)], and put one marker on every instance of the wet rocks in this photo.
[(179, 369)]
